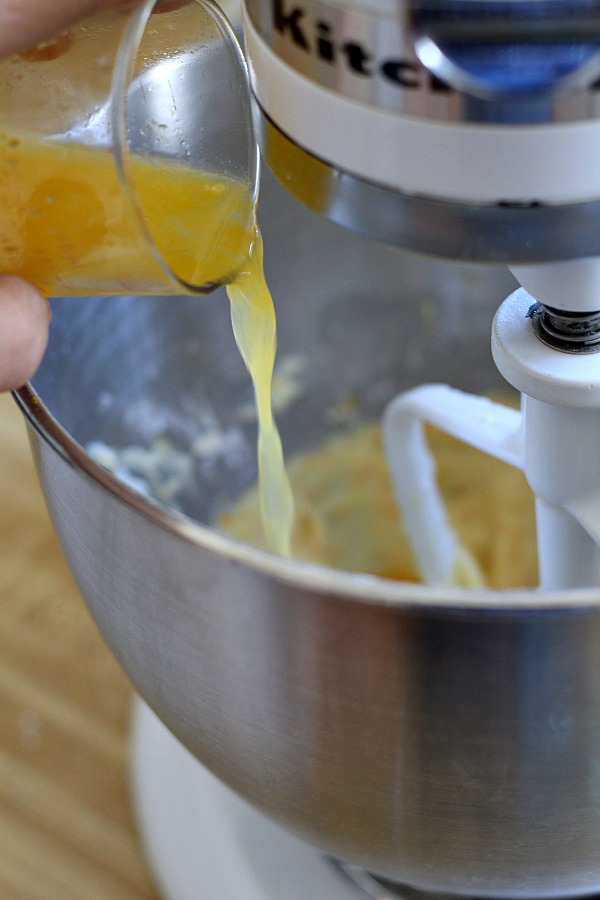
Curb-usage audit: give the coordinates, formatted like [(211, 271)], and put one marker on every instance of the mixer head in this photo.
[(466, 129)]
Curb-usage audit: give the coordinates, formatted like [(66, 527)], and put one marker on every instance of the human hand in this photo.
[(24, 320), (24, 313)]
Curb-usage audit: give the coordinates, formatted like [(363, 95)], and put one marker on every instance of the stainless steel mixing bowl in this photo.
[(447, 739)]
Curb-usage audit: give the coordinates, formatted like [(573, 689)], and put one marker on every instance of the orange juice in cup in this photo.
[(67, 225), (127, 157)]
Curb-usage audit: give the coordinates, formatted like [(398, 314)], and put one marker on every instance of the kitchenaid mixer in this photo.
[(441, 738)]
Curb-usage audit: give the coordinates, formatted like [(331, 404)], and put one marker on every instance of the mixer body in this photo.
[(466, 129)]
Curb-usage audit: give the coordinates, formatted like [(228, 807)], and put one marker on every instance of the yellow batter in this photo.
[(347, 518)]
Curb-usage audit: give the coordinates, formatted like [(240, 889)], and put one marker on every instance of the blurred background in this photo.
[(66, 825)]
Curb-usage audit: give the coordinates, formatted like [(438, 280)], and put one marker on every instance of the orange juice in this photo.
[(253, 318), (68, 225)]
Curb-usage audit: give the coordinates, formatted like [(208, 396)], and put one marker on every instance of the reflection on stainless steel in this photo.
[(442, 738)]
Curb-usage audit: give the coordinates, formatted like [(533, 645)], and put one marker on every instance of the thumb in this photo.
[(24, 321)]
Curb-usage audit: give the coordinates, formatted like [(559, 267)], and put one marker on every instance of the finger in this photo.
[(24, 320), (24, 23)]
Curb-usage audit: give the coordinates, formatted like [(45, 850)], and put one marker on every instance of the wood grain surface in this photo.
[(67, 830)]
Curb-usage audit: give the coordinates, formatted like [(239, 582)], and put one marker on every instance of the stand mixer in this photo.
[(436, 741)]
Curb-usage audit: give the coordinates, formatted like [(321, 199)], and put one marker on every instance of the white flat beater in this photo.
[(548, 349)]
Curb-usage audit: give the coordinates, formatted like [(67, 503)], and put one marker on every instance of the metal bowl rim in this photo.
[(350, 586)]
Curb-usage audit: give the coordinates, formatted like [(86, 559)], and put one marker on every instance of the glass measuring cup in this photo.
[(128, 162)]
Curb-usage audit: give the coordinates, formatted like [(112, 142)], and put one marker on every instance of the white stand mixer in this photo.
[(468, 130), (446, 739)]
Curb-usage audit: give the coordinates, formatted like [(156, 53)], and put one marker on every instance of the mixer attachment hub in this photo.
[(566, 331)]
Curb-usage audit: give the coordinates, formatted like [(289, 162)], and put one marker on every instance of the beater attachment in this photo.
[(550, 354)]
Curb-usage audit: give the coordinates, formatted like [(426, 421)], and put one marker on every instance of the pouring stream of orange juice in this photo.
[(68, 226)]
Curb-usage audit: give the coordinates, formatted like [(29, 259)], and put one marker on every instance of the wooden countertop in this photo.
[(66, 824)]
